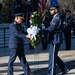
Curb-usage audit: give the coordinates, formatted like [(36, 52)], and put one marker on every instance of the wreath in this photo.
[(34, 29)]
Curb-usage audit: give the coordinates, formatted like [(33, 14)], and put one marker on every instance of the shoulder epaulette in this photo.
[(14, 22)]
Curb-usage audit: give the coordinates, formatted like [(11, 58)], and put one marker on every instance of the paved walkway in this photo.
[(38, 60)]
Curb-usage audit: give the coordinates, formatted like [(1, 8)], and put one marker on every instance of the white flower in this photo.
[(30, 21), (33, 31), (34, 12), (32, 15)]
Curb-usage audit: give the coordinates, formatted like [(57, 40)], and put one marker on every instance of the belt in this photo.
[(57, 31)]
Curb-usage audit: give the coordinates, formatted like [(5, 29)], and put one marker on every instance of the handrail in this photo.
[(4, 34)]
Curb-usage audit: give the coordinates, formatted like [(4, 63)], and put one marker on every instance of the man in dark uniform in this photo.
[(46, 23), (55, 30), (17, 36), (67, 29)]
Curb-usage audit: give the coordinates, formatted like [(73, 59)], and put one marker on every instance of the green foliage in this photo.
[(35, 20), (5, 12), (36, 42)]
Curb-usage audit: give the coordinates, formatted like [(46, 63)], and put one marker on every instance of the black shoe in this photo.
[(66, 70)]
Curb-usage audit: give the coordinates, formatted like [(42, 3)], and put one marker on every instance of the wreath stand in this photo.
[(36, 58)]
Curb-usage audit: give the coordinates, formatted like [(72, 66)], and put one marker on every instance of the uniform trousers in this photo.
[(13, 54), (67, 35), (54, 59)]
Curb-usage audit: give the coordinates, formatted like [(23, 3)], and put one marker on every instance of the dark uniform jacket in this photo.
[(17, 35), (55, 29)]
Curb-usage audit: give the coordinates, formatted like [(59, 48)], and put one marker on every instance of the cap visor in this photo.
[(52, 8), (21, 17)]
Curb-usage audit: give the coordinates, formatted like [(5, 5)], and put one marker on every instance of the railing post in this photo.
[(4, 38), (4, 35)]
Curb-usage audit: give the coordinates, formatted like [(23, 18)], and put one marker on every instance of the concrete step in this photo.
[(71, 72), (37, 62)]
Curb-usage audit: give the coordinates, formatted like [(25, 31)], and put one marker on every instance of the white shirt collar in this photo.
[(55, 14)]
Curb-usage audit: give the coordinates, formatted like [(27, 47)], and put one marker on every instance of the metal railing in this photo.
[(4, 35)]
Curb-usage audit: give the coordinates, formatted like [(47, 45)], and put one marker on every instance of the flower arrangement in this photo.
[(35, 21)]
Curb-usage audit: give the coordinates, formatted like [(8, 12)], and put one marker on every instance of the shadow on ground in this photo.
[(41, 71)]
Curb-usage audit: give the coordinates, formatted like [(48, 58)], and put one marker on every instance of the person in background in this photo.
[(1, 12), (68, 24), (44, 37), (45, 34)]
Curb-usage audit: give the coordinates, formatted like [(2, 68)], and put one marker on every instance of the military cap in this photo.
[(19, 12), (54, 4), (21, 15)]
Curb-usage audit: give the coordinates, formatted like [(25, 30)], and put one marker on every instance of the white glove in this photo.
[(43, 27)]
